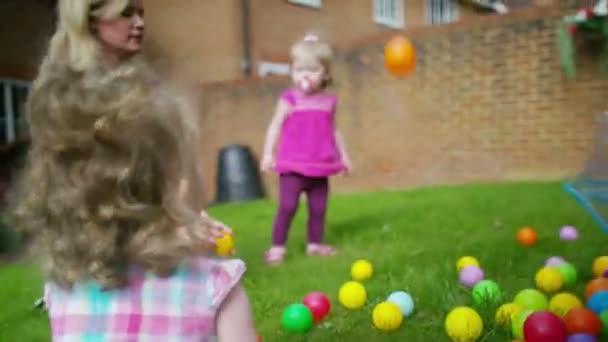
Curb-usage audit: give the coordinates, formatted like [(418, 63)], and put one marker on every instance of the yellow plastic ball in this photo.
[(224, 245), (463, 324), (361, 270), (387, 316), (352, 295), (466, 261), (563, 302), (600, 264), (549, 279), (506, 314)]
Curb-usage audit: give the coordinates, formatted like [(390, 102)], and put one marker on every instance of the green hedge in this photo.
[(9, 240)]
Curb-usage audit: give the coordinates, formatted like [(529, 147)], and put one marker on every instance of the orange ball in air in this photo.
[(595, 285), (526, 236), (399, 56)]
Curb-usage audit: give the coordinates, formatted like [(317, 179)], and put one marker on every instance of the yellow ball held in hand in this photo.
[(506, 314), (387, 316), (463, 324), (361, 270), (352, 295), (549, 279), (563, 302), (466, 261), (224, 245)]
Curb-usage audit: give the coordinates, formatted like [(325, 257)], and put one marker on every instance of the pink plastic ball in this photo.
[(471, 275), (568, 233), (554, 261), (319, 305)]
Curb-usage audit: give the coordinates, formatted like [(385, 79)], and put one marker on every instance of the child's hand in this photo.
[(348, 166), (217, 229), (267, 163)]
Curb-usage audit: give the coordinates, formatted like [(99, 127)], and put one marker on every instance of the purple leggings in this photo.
[(291, 185)]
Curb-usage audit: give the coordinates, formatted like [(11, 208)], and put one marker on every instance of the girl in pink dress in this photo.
[(310, 148)]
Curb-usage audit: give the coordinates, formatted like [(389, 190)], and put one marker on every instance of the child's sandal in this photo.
[(274, 256), (321, 250)]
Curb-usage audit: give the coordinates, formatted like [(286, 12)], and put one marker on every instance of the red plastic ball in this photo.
[(583, 320), (544, 326), (318, 304)]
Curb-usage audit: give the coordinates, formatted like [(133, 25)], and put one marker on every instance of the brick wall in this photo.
[(487, 102)]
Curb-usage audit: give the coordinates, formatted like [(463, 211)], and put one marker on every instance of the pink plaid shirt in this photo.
[(181, 307)]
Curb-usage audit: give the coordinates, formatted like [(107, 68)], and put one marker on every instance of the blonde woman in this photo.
[(111, 193)]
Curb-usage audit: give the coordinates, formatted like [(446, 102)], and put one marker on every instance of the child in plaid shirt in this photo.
[(111, 193)]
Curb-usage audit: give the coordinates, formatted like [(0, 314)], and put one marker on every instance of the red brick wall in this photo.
[(487, 102)]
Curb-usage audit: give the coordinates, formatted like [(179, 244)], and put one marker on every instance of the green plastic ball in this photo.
[(604, 319), (568, 272), (532, 299), (517, 326), (297, 318), (486, 292)]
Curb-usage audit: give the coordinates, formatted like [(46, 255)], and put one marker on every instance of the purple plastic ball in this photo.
[(471, 275), (568, 233), (554, 261), (581, 338), (606, 274)]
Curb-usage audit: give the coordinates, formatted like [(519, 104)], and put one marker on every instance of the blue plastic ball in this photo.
[(403, 300), (581, 338), (598, 302)]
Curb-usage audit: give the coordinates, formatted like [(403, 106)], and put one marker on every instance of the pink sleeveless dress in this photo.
[(307, 144)]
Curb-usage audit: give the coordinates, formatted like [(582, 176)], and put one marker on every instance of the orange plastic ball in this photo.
[(399, 56), (595, 285), (526, 236)]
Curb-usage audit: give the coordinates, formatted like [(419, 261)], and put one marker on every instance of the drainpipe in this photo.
[(245, 32)]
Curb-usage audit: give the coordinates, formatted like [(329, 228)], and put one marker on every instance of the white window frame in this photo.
[(9, 117), (307, 3), (450, 15), (381, 13), (273, 68)]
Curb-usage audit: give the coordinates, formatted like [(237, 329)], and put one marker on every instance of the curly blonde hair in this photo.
[(112, 177)]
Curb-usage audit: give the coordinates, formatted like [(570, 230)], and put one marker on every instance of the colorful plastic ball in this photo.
[(526, 236), (562, 303), (297, 318), (581, 338), (544, 326), (470, 276), (549, 279), (598, 302), (568, 272), (318, 303), (466, 261), (595, 285), (584, 321), (403, 300), (486, 292), (361, 270), (224, 245), (604, 318), (600, 265), (554, 261), (506, 313), (352, 295), (463, 324), (517, 326), (387, 316), (605, 274), (568, 233), (399, 56), (532, 299)]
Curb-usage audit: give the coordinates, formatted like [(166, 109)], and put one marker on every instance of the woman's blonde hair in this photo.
[(112, 177), (313, 46)]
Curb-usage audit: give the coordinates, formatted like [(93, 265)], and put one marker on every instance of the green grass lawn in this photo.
[(413, 239)]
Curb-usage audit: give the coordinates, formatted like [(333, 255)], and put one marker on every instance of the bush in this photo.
[(9, 240)]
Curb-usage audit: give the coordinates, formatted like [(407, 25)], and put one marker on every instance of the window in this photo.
[(389, 13), (309, 3), (441, 11), (13, 95), (273, 68)]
